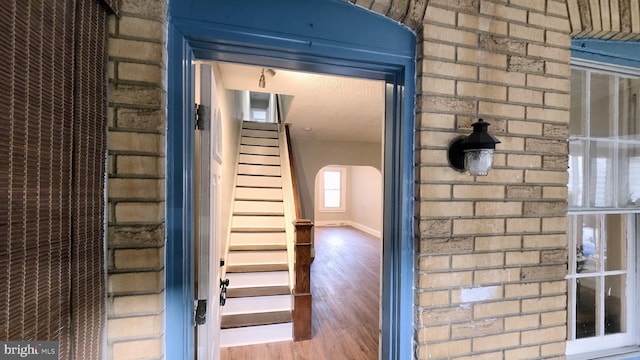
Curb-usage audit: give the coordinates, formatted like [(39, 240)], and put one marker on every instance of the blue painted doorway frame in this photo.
[(324, 36)]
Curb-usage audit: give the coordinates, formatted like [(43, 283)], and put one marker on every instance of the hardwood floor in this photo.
[(345, 284)]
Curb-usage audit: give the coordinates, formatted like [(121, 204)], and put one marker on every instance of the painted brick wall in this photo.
[(492, 250), (137, 122)]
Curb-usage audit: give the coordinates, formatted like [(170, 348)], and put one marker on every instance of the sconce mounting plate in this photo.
[(455, 154)]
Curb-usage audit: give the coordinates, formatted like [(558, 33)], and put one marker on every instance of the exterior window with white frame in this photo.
[(332, 189), (604, 203)]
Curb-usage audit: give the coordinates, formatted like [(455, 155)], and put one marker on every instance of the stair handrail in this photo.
[(298, 243), (294, 178)]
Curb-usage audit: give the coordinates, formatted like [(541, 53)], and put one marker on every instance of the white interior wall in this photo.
[(366, 197), (312, 155), (364, 201), (230, 124)]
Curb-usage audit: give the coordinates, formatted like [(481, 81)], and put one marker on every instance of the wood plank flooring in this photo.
[(345, 284)]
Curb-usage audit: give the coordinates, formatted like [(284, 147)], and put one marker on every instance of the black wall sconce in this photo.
[(473, 153)]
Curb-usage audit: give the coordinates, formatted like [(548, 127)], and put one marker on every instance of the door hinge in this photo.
[(199, 114), (201, 312)]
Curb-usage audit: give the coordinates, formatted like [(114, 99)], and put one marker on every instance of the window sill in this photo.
[(626, 353)]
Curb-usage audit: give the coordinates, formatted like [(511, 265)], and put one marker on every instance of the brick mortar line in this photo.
[(136, 200), (114, 105), (137, 85), (131, 247), (116, 59), (507, 102), (494, 51), (117, 81), (133, 224), (506, 20), (136, 177), (158, 41), (136, 153), (113, 271), (125, 153), (145, 271), (526, 216), (498, 151), (488, 82), (148, 224), (476, 12), (163, 19), (135, 315), (134, 338), (117, 129), (506, 298)]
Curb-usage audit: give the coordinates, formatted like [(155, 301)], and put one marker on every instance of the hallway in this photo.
[(345, 283)]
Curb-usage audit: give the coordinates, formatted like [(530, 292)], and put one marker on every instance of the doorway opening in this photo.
[(236, 32), (333, 119)]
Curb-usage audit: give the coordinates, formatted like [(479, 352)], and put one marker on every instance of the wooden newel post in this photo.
[(302, 289)]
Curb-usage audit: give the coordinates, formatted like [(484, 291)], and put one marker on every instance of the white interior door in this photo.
[(207, 184)]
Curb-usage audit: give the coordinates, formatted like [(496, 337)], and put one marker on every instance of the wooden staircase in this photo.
[(259, 301)]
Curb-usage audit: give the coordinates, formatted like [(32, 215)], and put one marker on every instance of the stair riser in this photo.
[(244, 169), (259, 150), (259, 141), (257, 238), (257, 222), (256, 335), (259, 181), (259, 134), (275, 278), (252, 125), (256, 304), (256, 257), (258, 194), (259, 159), (271, 207)]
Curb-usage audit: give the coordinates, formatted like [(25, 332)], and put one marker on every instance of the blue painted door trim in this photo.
[(326, 36), (179, 274), (624, 53)]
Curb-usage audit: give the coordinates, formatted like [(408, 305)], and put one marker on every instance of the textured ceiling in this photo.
[(333, 107)]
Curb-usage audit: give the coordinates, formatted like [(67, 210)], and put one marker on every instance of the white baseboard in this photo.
[(363, 228), (322, 223), (368, 230)]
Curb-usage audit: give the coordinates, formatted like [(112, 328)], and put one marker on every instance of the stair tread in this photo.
[(260, 134), (257, 291), (258, 229), (260, 186), (255, 319), (258, 213), (262, 176), (258, 247), (244, 268), (270, 146), (254, 199)]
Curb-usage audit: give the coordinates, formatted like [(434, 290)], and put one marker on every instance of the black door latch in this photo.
[(223, 291)]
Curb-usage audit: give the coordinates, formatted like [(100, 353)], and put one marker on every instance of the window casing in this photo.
[(604, 200), (332, 189)]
